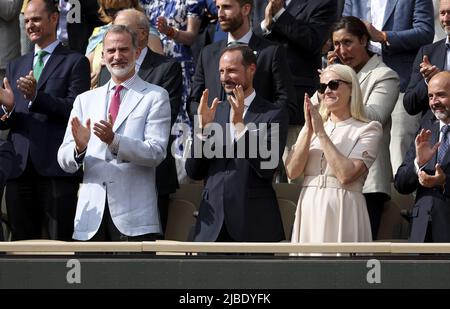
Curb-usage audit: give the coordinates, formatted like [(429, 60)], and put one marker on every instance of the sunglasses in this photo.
[(332, 84)]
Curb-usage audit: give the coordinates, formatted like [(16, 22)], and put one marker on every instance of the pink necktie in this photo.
[(115, 103)]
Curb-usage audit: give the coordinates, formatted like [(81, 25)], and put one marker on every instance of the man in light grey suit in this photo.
[(117, 200), (9, 33)]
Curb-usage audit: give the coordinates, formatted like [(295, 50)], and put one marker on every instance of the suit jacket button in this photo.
[(104, 183)]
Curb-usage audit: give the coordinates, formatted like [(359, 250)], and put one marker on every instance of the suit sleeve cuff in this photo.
[(79, 157), (114, 146)]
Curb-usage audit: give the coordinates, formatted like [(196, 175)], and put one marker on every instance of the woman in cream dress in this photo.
[(334, 152)]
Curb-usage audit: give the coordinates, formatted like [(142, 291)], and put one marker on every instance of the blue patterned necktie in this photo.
[(444, 144)]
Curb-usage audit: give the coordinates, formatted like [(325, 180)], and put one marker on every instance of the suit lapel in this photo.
[(222, 118), (253, 112), (434, 139), (53, 62), (216, 57), (131, 99), (147, 65), (368, 69), (296, 6), (441, 55), (390, 5)]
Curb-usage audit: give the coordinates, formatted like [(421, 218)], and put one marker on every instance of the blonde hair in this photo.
[(347, 74)]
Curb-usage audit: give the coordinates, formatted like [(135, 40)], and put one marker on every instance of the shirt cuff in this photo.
[(202, 137), (79, 157), (8, 114), (417, 168), (237, 136), (114, 146), (264, 29), (277, 15)]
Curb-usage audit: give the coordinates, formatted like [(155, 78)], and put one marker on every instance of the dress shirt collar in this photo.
[(141, 58), (245, 39), (50, 48)]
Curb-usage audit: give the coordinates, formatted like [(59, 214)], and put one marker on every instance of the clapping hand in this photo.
[(205, 113), (424, 150), (81, 134), (27, 85), (7, 96)]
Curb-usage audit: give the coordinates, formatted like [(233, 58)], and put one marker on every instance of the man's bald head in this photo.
[(137, 22), (439, 96)]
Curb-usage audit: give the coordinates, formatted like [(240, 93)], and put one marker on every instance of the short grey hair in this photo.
[(122, 29), (142, 20)]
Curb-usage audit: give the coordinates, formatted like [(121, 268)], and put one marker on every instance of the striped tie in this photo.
[(444, 143)]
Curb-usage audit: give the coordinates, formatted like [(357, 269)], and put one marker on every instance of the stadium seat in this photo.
[(287, 210), (180, 220)]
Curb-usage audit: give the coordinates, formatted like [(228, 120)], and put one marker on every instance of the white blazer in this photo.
[(128, 178)]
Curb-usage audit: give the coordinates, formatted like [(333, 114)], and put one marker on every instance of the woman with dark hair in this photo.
[(380, 89)]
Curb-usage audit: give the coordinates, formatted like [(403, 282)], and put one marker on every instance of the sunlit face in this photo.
[(444, 15), (39, 24), (233, 72), (439, 97), (231, 15), (350, 49), (335, 100), (119, 54)]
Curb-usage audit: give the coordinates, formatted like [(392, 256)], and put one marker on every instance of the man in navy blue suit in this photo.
[(238, 201), (40, 89), (427, 167)]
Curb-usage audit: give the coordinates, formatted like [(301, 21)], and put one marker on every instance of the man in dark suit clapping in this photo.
[(238, 202), (40, 88), (427, 166)]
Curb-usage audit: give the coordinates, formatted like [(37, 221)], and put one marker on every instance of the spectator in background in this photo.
[(334, 151), (272, 78), (427, 166), (397, 30), (25, 44), (380, 88), (75, 33), (166, 73), (108, 10), (9, 33), (40, 88), (302, 27), (439, 33), (430, 60), (178, 22)]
